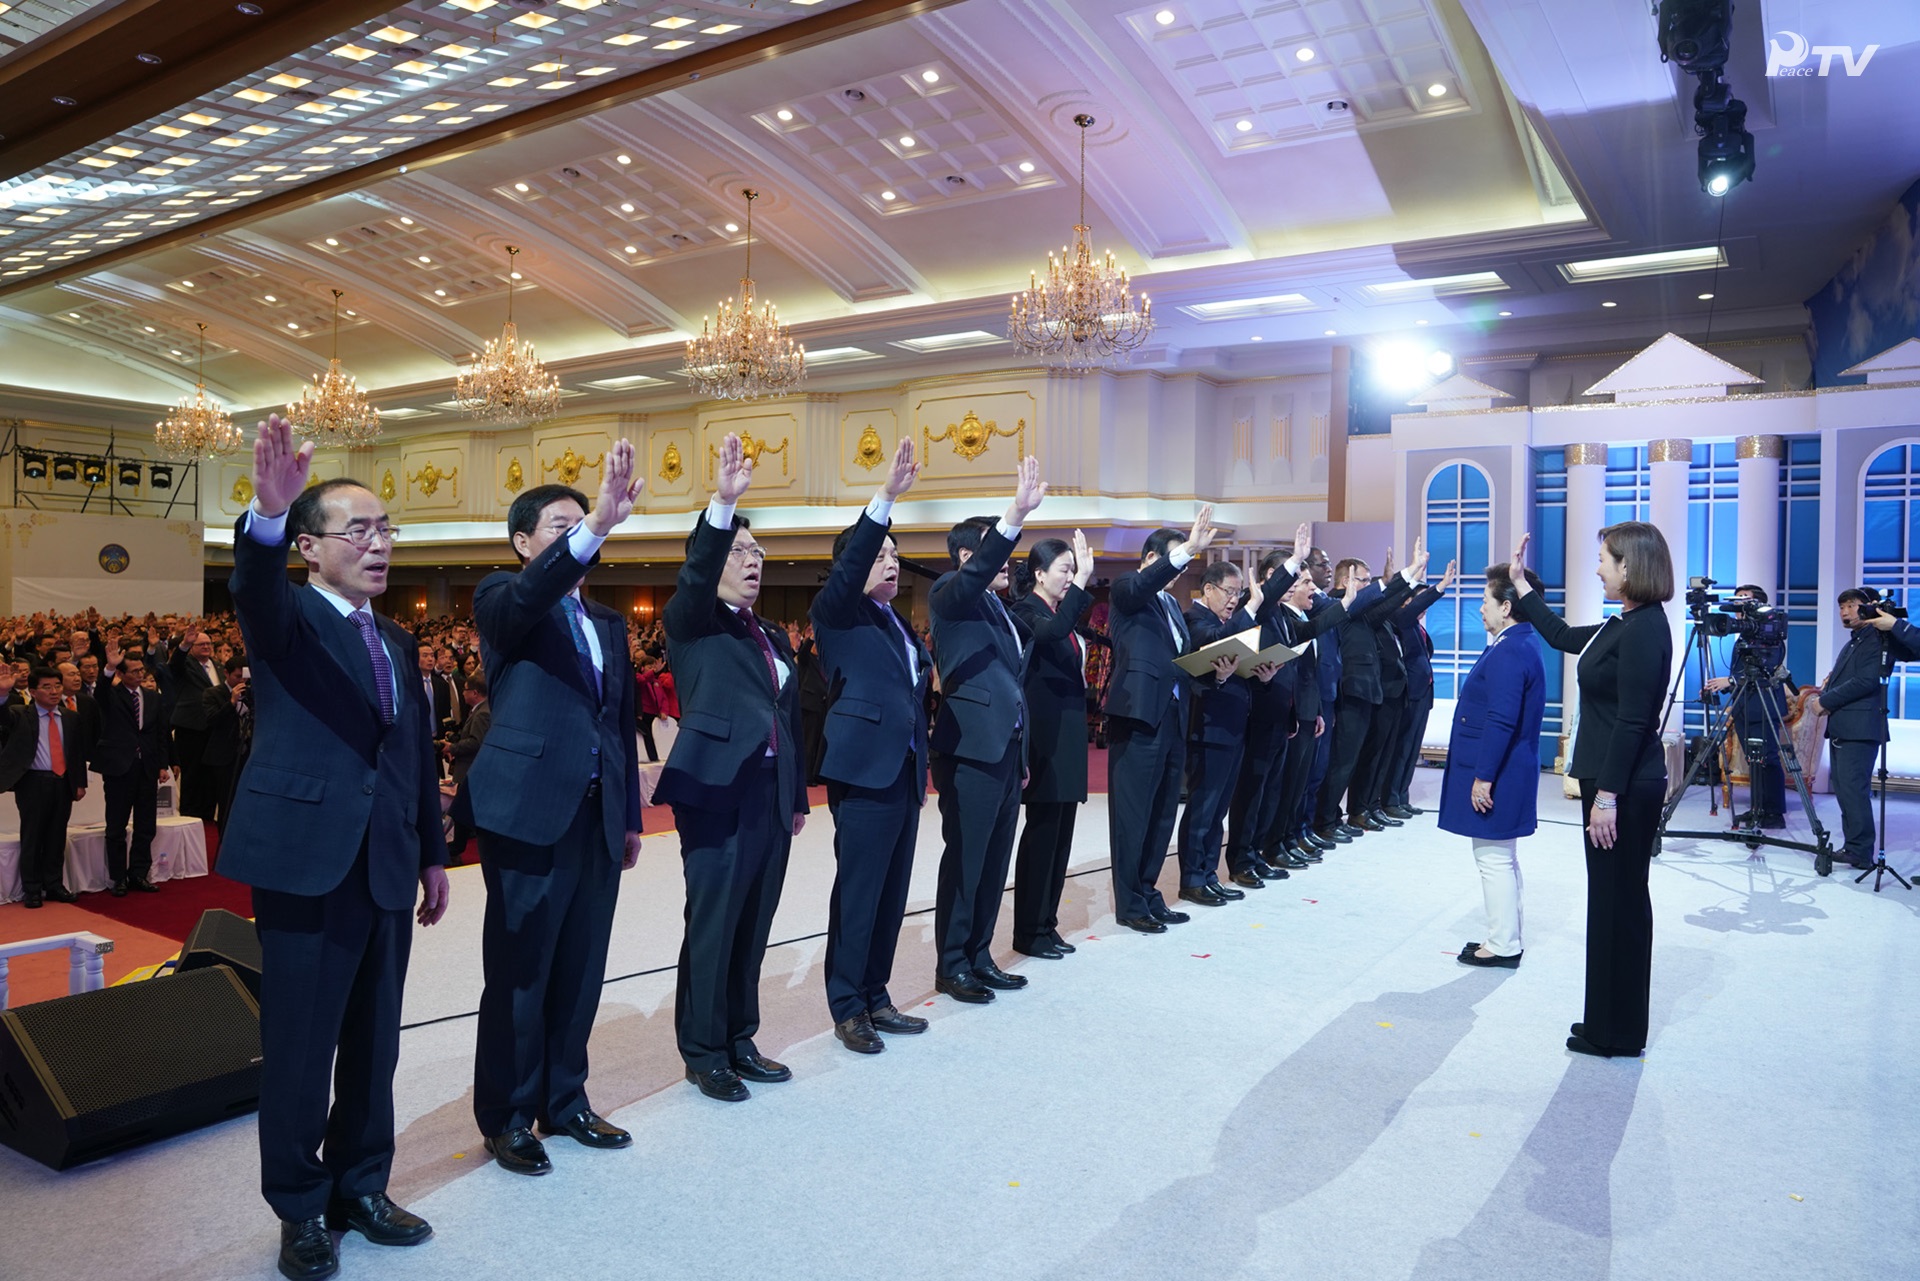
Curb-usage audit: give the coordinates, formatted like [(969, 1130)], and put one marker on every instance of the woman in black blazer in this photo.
[(1625, 663), (1052, 601)]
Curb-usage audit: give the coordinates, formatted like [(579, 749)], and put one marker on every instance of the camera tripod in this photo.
[(1879, 867), (1768, 691)]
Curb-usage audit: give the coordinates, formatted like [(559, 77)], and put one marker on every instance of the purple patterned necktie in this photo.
[(575, 623), (382, 667)]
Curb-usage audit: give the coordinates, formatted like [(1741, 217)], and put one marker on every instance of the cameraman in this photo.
[(1768, 789), (1854, 697)]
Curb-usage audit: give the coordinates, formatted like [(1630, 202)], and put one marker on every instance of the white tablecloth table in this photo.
[(179, 849)]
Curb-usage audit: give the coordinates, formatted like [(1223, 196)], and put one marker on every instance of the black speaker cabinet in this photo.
[(221, 938), (84, 1076)]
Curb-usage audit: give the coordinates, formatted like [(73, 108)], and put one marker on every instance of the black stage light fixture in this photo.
[(130, 475), (94, 471), (66, 468), (33, 466), (1697, 34), (1726, 150), (160, 476)]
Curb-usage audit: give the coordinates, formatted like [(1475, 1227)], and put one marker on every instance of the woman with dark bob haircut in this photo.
[(1625, 663)]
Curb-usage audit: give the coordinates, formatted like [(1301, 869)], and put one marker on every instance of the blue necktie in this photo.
[(576, 624), (382, 667)]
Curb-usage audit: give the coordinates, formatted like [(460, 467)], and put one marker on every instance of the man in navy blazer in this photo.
[(1218, 736), (1395, 784), (1148, 697), (336, 817), (979, 742), (736, 778), (1854, 698), (555, 793), (1362, 692), (134, 753), (875, 763)]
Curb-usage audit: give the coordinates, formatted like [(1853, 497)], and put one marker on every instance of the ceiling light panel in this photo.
[(1246, 308), (1667, 263), (963, 148), (387, 250), (241, 296), (1237, 60), (1478, 282), (375, 78), (947, 342), (150, 335), (601, 206)]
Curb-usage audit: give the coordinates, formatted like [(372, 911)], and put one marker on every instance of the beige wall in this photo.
[(57, 561)]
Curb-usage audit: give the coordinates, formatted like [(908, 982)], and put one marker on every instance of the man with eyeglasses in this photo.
[(336, 817), (191, 673), (555, 794), (736, 778)]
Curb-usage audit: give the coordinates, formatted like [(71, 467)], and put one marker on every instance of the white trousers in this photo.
[(1500, 886)]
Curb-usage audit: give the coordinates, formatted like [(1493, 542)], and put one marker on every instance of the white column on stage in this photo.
[(1758, 558), (1586, 513), (1669, 462)]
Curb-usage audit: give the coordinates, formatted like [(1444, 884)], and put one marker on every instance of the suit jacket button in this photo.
[(368, 789), (596, 751)]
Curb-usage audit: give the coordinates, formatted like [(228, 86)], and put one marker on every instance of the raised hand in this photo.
[(619, 487), (1352, 591), (1254, 597), (1417, 568), (1517, 567), (735, 471), (1386, 569), (1200, 537), (279, 470), (1302, 540), (1029, 493), (1452, 575), (1082, 560), (901, 476)]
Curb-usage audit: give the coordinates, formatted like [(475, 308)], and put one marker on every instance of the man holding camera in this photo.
[(1854, 697), (1761, 651)]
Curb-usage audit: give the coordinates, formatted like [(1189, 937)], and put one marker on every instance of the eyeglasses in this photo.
[(756, 554), (364, 536)]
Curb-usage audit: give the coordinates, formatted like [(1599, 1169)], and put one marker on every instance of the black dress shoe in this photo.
[(1472, 957), (887, 1019), (1354, 831), (1225, 893), (998, 979), (755, 1066), (1167, 916), (1143, 924), (142, 884), (1202, 895), (307, 1251), (963, 987), (857, 1034), (1295, 857), (1770, 821), (1312, 840), (1045, 951), (31, 900), (375, 1217), (589, 1129), (722, 1083), (1061, 945), (1400, 812), (61, 894), (1337, 834), (1367, 823), (1581, 1045), (518, 1152), (1249, 880), (118, 889), (1383, 818), (1267, 871)]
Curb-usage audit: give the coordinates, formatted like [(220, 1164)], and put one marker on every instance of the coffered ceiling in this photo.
[(1279, 176)]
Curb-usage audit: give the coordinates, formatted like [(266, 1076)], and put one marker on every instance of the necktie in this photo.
[(773, 673), (1179, 635), (139, 709), (56, 750), (69, 703), (382, 667), (576, 625)]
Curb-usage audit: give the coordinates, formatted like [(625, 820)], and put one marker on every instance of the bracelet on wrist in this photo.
[(1606, 805)]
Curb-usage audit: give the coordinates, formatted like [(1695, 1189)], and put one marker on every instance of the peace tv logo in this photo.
[(1788, 51), (114, 558)]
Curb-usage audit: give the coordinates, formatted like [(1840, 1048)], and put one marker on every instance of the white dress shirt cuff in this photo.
[(879, 509), (1007, 531), (268, 530), (1181, 559), (719, 514), (582, 543)]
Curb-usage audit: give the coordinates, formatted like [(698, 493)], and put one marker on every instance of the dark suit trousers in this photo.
[(332, 967), (1351, 730), (979, 810), (874, 830), (1413, 729), (1257, 794), (1040, 870), (1290, 818), (1213, 769), (135, 794), (735, 863), (1620, 917), (45, 804), (1850, 777), (1144, 764), (196, 791), (543, 950), (1377, 755), (1305, 810)]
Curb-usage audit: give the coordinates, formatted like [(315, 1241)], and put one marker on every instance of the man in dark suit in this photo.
[(555, 792), (190, 673), (1361, 692), (1416, 647), (1217, 739), (1147, 706), (436, 689), (1285, 827), (736, 778), (979, 743), (224, 745), (875, 762), (46, 777), (90, 675), (135, 753), (336, 819), (75, 697), (1854, 698)]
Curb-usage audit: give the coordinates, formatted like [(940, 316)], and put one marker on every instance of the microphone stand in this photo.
[(1880, 868)]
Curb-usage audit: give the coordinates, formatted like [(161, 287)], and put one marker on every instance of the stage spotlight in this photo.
[(1439, 364), (65, 468), (130, 475), (94, 471), (1400, 366), (160, 476), (1726, 151), (1697, 34), (33, 466)]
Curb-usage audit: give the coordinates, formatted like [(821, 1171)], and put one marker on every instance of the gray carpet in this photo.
[(1305, 1084)]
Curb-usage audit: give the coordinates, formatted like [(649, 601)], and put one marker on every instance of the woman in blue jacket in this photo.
[(1493, 763)]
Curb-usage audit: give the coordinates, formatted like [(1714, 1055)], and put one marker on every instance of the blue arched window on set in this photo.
[(1458, 522), (1890, 550)]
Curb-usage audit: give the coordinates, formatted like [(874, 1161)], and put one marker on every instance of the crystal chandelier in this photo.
[(332, 411), (1084, 313), (197, 428), (507, 383), (744, 356)]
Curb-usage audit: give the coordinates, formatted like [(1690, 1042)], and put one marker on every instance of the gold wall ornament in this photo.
[(752, 448), (567, 468), (971, 437), (387, 488), (313, 478), (671, 468), (428, 478), (871, 451), (242, 491), (515, 476)]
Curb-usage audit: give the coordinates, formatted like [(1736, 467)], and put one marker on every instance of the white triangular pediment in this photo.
[(1459, 392), (1669, 368), (1897, 364)]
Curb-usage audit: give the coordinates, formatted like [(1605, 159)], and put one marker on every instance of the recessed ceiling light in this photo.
[(187, 283), (269, 298), (888, 195), (1026, 166), (200, 118), (674, 24), (1436, 91), (255, 95), (719, 28), (439, 293), (732, 227), (1705, 297), (176, 351), (551, 84), (354, 52), (150, 329), (393, 35), (1244, 126), (73, 315), (623, 40), (286, 81), (625, 160), (1609, 304), (442, 106), (533, 20), (514, 275), (783, 115), (425, 259), (673, 44), (906, 140), (631, 249), (507, 82), (626, 207), (1506, 313), (519, 186), (1329, 332), (548, 68), (1258, 338), (931, 77), (1419, 322), (332, 241), (1303, 54), (293, 324), (1164, 17)]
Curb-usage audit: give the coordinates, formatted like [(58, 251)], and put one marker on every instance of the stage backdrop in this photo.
[(66, 561)]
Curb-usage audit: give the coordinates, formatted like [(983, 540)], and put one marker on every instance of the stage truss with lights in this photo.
[(48, 478)]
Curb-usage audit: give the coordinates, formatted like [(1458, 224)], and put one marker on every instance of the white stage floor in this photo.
[(1304, 1084)]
